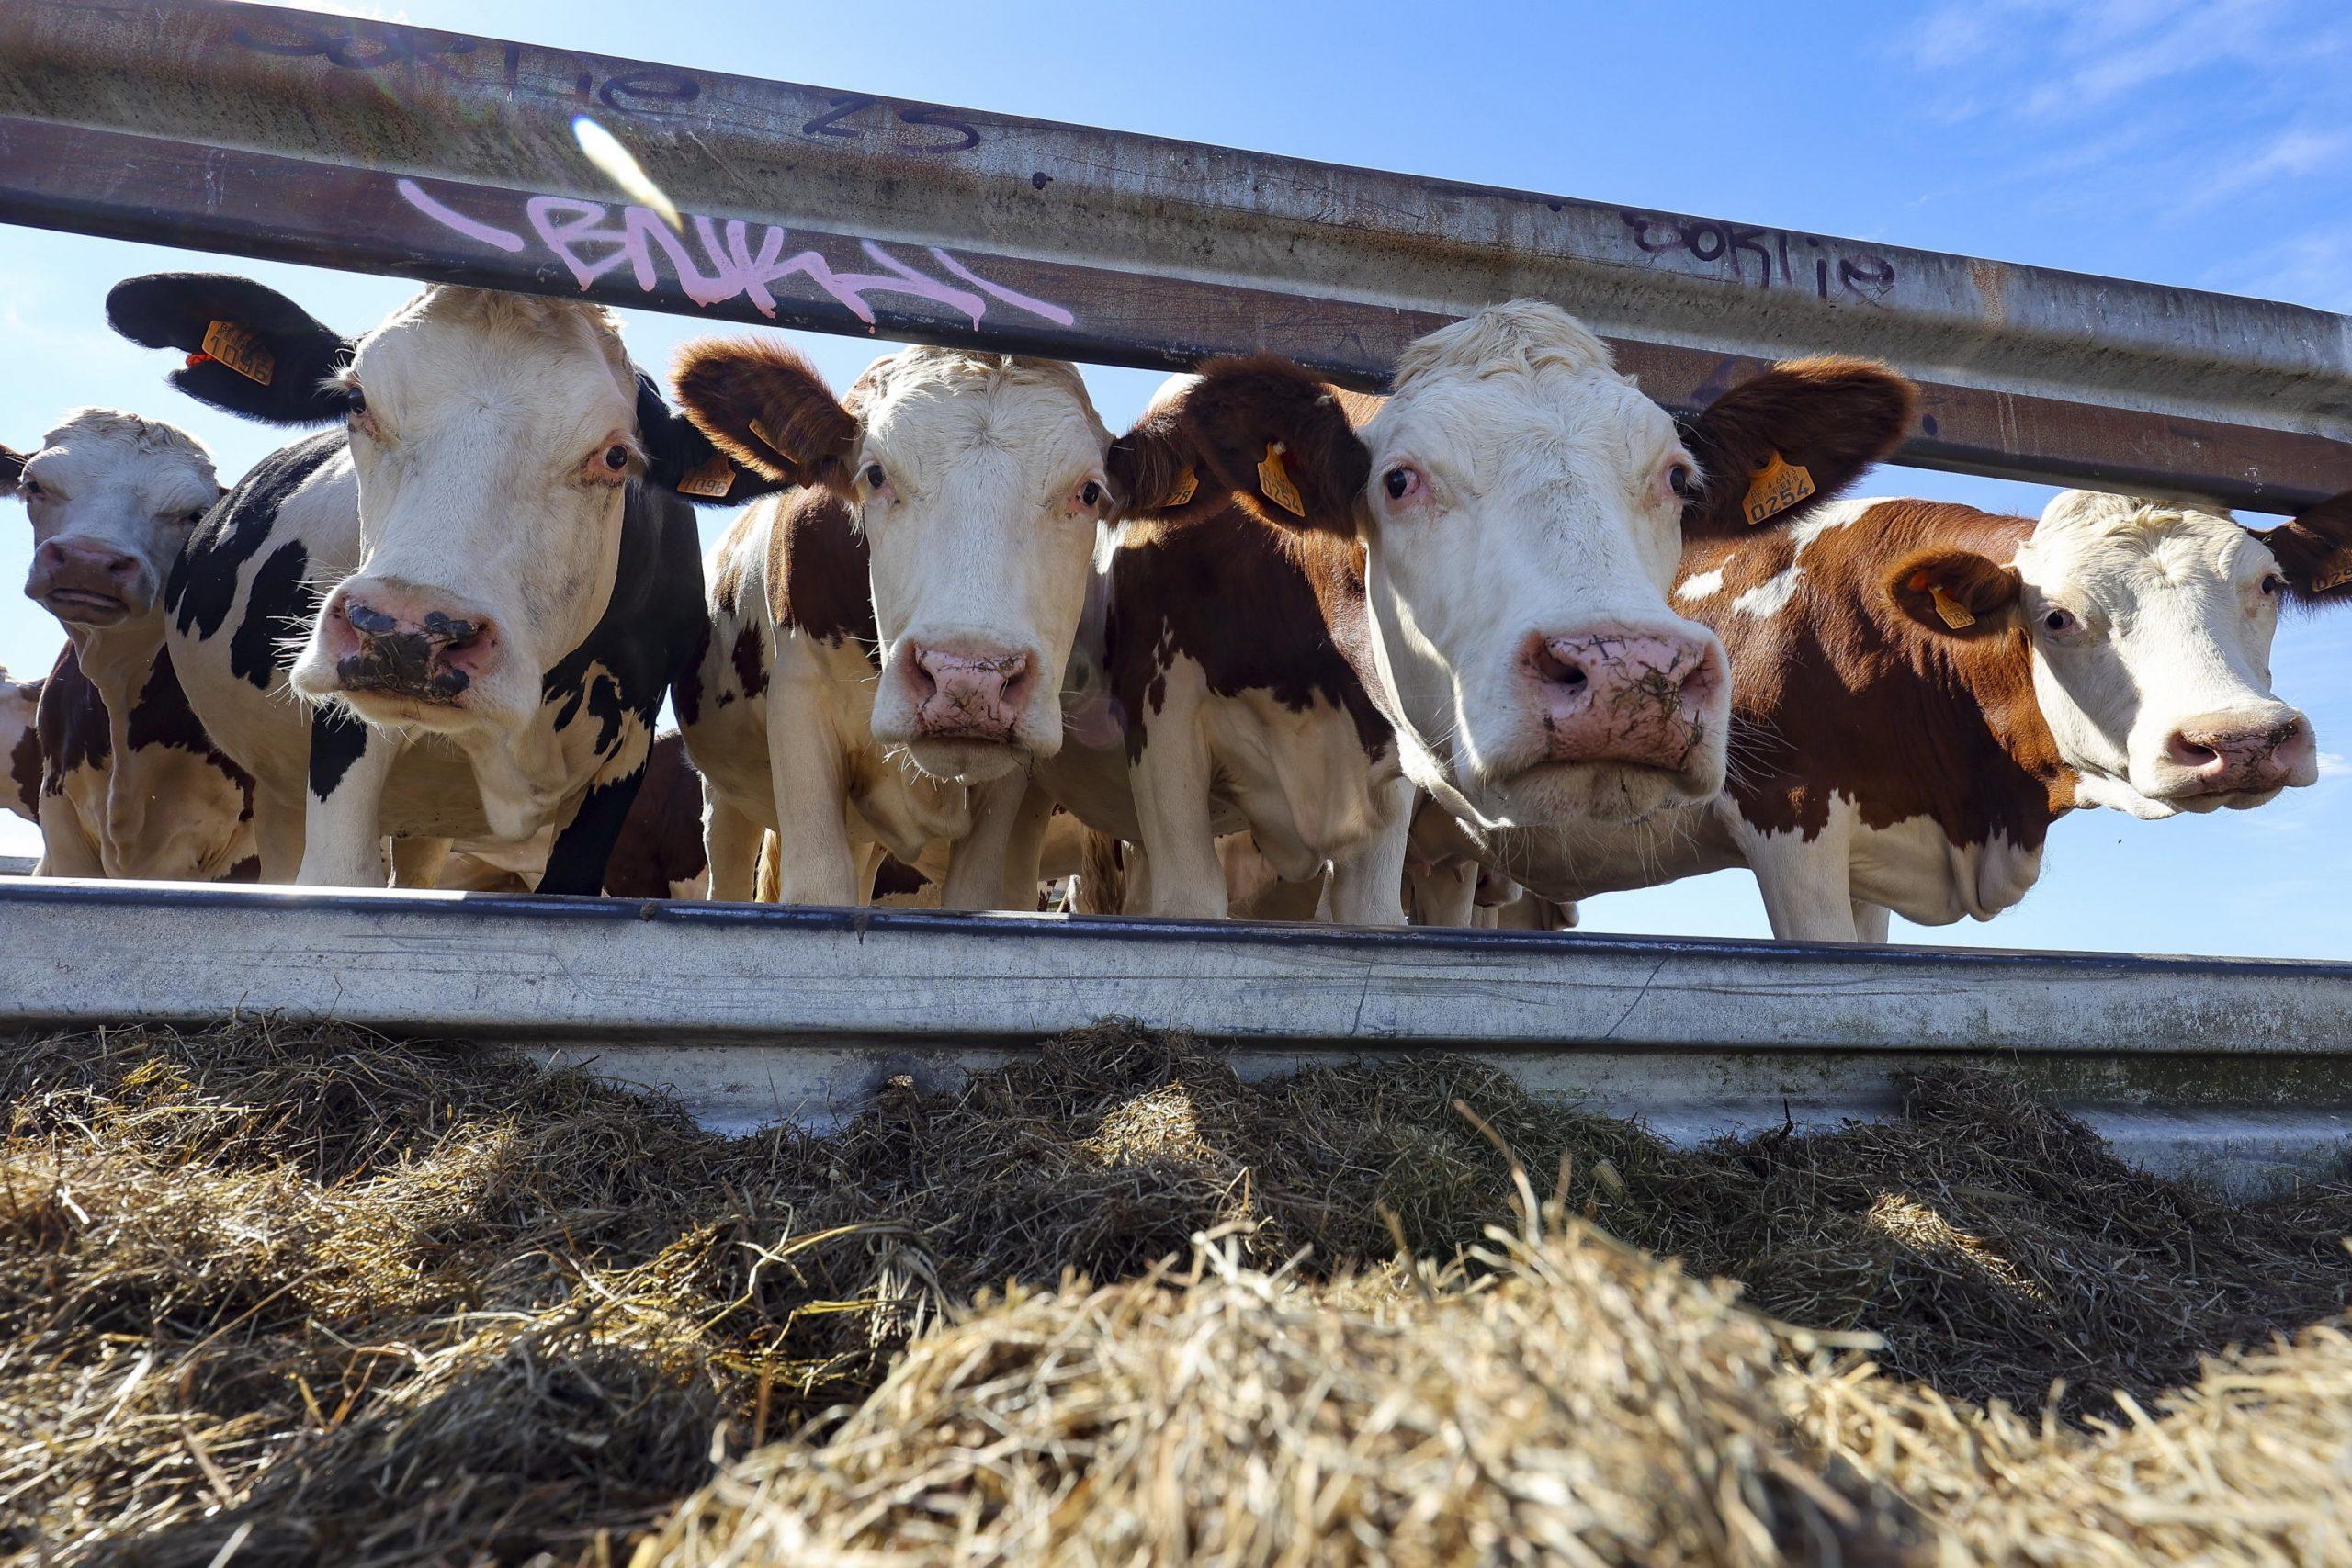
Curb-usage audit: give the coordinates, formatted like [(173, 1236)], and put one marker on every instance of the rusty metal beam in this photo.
[(262, 132)]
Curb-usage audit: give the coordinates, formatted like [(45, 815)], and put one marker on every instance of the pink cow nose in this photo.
[(83, 575), (2224, 757), (968, 696), (391, 642), (1612, 696)]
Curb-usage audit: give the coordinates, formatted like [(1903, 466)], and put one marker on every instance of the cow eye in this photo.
[(2059, 621), (616, 456), (1679, 478), (1401, 481), (194, 516), (30, 489), (875, 478), (2273, 584), (1089, 494)]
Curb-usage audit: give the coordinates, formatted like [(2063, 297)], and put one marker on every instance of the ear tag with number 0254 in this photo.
[(1777, 486), (1274, 481), (1954, 613)]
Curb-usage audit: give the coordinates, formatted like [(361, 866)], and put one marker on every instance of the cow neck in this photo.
[(1835, 692), (821, 574)]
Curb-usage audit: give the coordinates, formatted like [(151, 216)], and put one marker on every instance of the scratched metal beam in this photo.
[(1155, 251)]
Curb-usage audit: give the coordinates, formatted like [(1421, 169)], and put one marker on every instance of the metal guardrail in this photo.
[(436, 155), (2239, 1071)]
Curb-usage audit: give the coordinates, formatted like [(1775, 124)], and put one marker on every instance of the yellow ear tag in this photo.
[(768, 436), (714, 478), (2337, 573), (239, 348), (1777, 486), (1273, 482), (1186, 484), (1955, 614)]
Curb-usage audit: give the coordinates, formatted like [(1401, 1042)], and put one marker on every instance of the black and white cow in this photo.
[(20, 743), (126, 782), (457, 613)]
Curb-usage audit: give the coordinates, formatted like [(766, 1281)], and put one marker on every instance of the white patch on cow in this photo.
[(1700, 585), (1771, 596), (1825, 519), (2151, 635), (1811, 880)]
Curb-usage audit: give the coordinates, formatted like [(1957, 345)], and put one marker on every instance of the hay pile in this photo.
[(298, 1294)]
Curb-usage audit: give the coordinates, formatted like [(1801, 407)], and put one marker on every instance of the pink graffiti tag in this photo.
[(585, 236)]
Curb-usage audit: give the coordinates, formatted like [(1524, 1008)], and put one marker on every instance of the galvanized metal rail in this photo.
[(379, 147), (2239, 1071)]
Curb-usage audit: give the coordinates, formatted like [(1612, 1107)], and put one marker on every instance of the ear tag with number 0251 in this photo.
[(1777, 486), (239, 348), (1274, 481)]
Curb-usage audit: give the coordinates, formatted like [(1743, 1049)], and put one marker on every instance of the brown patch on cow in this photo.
[(686, 687), (2315, 550), (751, 660), (659, 843), (24, 758), (767, 407), (1832, 416), (893, 878), (71, 722), (1845, 692), (245, 870), (1258, 608), (820, 581)]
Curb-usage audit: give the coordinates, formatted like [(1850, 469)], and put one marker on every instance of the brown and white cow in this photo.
[(20, 743), (1920, 689), (132, 786), (887, 642), (1460, 587)]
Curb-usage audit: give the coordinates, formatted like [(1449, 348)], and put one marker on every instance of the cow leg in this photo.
[(1173, 810), (1368, 883), (343, 841), (576, 863), (1804, 885), (732, 843), (1025, 849), (976, 862), (1870, 921), (417, 862), (814, 863), (1446, 894), (277, 834), (66, 847)]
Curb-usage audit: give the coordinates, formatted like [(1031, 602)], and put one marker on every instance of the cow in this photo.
[(130, 785), (20, 743), (658, 853), (1921, 689), (888, 640), (455, 613), (1319, 601)]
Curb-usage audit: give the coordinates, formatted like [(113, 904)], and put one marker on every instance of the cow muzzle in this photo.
[(2211, 757), (960, 695), (88, 583), (1647, 699), (386, 643)]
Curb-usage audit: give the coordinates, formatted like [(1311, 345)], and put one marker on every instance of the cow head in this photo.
[(2148, 628), (979, 481), (1522, 507), (495, 439), (112, 497)]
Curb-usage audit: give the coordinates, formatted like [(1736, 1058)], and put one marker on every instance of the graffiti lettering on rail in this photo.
[(725, 260), (1767, 257)]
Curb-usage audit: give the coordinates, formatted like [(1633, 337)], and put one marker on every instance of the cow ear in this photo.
[(251, 350), (1953, 593), (1780, 443), (766, 407), (1155, 470), (1265, 432), (682, 460), (12, 469), (2314, 551)]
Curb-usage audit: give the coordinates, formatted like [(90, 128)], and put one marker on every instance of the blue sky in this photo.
[(2199, 142)]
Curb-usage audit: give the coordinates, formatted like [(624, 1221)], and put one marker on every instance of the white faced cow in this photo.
[(1461, 587), (130, 785), (510, 580), (889, 643), (1922, 688)]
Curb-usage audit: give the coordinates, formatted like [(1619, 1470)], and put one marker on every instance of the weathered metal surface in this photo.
[(1157, 251), (2241, 1069)]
